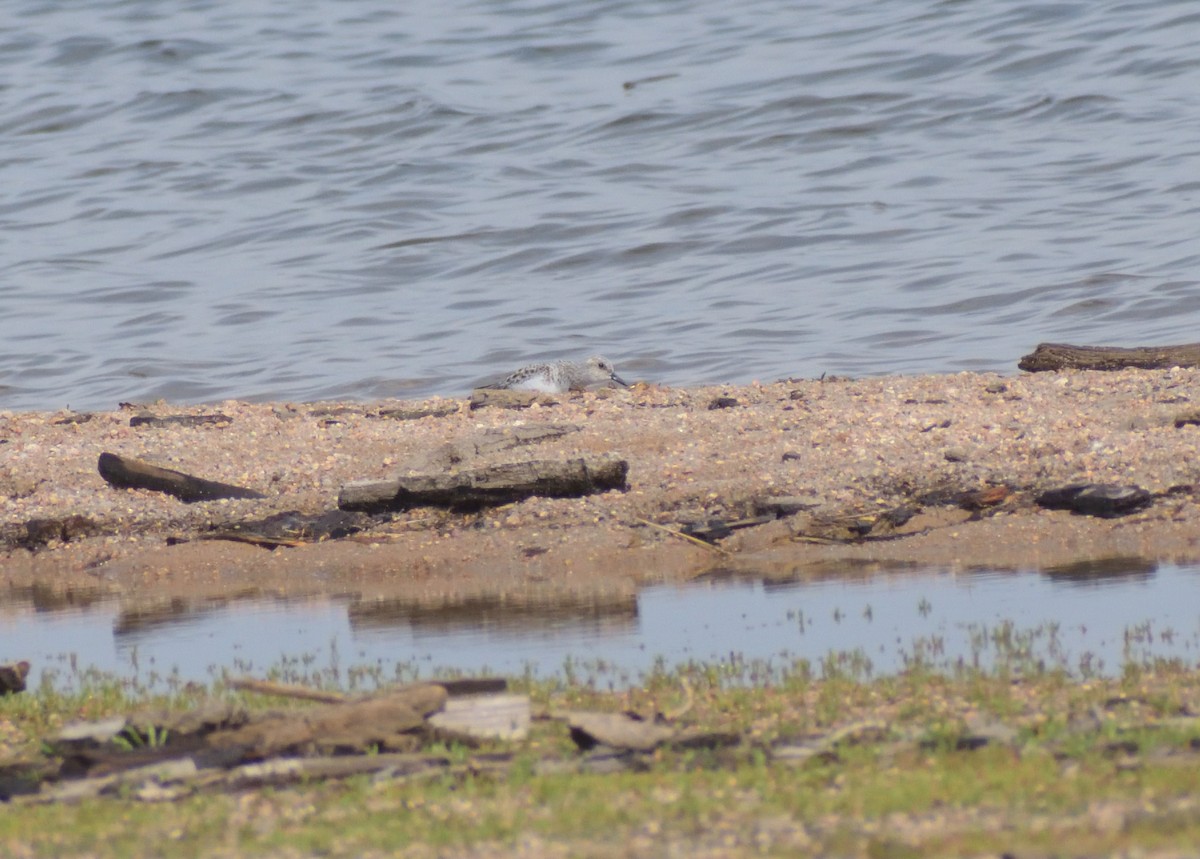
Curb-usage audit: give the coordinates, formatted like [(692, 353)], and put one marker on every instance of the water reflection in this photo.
[(584, 616), (1084, 618), (1102, 571)]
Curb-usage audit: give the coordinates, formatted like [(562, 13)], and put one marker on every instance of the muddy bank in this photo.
[(941, 471)]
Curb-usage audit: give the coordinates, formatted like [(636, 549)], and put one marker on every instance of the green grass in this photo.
[(1099, 766)]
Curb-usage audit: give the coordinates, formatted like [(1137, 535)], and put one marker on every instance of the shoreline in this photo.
[(935, 471)]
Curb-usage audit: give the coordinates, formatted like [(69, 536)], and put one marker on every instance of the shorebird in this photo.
[(558, 377)]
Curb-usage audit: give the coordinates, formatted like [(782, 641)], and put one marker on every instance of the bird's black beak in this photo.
[(619, 380)]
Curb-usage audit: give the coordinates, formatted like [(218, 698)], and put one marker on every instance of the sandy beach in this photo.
[(842, 476)]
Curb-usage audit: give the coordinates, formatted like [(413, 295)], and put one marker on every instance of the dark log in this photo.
[(488, 486), (135, 474), (1062, 356), (1105, 500)]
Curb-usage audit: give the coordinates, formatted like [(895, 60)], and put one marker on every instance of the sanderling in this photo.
[(559, 377)]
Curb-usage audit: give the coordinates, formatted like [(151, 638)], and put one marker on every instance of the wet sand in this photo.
[(848, 453)]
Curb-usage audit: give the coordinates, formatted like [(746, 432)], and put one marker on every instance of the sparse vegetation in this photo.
[(1019, 757)]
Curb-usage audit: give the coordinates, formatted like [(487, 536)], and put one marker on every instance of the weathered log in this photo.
[(379, 721), (488, 486), (134, 474), (1063, 356)]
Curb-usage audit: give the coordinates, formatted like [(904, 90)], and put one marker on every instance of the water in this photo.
[(1087, 620), (322, 199)]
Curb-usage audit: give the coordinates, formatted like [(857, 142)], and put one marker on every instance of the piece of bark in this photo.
[(180, 420), (488, 486), (127, 473), (1105, 500), (1063, 356)]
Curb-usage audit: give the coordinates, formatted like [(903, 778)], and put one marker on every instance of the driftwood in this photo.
[(488, 486), (180, 420), (1062, 356), (134, 474), (226, 745), (356, 726), (1105, 500)]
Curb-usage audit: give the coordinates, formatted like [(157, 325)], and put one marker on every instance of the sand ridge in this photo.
[(845, 448)]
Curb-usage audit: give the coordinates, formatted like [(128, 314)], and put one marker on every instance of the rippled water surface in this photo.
[(320, 199)]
